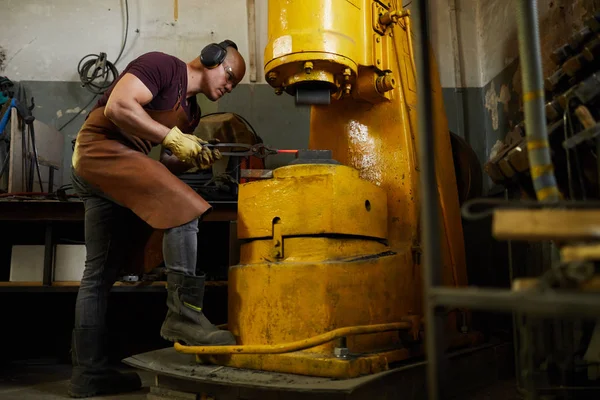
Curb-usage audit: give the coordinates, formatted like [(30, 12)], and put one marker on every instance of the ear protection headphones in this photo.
[(213, 54)]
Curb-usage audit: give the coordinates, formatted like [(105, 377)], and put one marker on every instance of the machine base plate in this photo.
[(179, 376)]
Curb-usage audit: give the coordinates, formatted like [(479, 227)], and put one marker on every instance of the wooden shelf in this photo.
[(55, 211), (73, 286)]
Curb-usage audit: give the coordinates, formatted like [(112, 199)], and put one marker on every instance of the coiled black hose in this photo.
[(97, 65), (96, 68), (102, 70)]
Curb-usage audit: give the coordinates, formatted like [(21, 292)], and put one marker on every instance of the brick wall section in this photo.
[(562, 19), (559, 20), (502, 96)]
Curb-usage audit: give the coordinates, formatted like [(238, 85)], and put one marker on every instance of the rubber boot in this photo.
[(185, 322), (91, 375)]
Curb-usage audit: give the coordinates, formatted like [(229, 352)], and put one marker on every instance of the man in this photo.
[(152, 102)]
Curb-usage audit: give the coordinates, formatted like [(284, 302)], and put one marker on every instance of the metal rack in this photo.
[(526, 302), (50, 214)]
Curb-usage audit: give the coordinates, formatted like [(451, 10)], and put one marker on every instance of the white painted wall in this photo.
[(467, 43), (487, 36), (262, 21), (45, 39), (497, 35), (487, 39)]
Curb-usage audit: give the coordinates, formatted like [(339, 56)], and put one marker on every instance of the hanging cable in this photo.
[(126, 31), (93, 67), (77, 115)]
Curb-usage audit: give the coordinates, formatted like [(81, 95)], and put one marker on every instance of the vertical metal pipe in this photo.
[(50, 179), (597, 161), (251, 6), (516, 317), (48, 256), (459, 83), (429, 199), (538, 149)]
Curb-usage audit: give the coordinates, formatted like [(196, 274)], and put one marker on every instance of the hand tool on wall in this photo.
[(24, 112)]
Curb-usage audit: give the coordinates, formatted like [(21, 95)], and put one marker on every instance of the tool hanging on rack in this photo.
[(30, 154)]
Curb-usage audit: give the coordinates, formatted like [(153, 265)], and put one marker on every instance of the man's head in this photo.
[(223, 68)]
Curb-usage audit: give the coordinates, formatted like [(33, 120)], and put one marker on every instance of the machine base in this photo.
[(303, 363), (179, 376), (327, 365)]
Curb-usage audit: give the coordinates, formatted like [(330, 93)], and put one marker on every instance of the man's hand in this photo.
[(190, 149)]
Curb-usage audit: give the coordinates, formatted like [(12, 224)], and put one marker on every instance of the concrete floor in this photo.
[(50, 382)]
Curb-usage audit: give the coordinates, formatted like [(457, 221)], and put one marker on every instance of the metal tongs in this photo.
[(259, 150)]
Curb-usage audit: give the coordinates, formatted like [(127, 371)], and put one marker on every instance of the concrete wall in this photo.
[(477, 48), (41, 44), (44, 40), (501, 76), (475, 43), (480, 37), (33, 35)]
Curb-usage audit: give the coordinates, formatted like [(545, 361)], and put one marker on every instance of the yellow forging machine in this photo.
[(329, 282)]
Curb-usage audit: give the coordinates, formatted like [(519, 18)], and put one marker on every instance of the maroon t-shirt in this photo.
[(166, 78)]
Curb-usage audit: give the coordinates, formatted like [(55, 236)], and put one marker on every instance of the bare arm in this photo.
[(125, 109)]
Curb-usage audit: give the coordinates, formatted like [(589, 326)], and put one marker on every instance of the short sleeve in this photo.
[(155, 70)]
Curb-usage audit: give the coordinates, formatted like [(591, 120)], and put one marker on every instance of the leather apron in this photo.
[(118, 165)]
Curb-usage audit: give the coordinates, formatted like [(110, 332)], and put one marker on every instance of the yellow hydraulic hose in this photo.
[(406, 13), (294, 346)]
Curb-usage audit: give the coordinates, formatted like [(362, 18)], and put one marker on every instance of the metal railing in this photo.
[(532, 302)]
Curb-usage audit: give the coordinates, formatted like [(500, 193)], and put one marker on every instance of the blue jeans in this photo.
[(107, 242)]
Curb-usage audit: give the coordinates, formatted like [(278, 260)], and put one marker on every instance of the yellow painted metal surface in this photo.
[(311, 249), (315, 257), (331, 34), (325, 365), (312, 199), (302, 344), (281, 302), (301, 363), (381, 143)]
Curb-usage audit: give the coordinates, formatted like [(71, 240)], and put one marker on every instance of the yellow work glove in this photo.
[(190, 149)]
